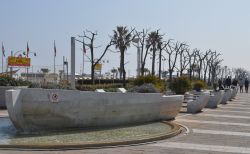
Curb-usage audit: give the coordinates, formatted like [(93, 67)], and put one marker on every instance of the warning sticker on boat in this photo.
[(54, 98)]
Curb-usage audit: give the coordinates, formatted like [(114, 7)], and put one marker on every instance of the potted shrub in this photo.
[(180, 85), (149, 82), (199, 85)]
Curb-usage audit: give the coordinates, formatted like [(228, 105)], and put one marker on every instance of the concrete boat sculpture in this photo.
[(33, 110), (227, 96), (199, 101), (215, 98), (2, 94)]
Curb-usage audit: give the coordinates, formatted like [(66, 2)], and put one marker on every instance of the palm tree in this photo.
[(122, 38), (154, 38)]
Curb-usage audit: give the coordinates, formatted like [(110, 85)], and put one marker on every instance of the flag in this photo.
[(54, 48), (3, 51), (84, 49), (28, 50)]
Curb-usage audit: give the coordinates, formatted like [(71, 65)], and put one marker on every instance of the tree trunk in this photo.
[(190, 73), (92, 74), (160, 64), (92, 66), (209, 76), (142, 69), (124, 78), (205, 76), (153, 62), (181, 65), (170, 75), (122, 68), (200, 70), (120, 71)]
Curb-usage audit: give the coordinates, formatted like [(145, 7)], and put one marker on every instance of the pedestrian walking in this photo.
[(221, 87), (228, 82), (235, 82), (241, 84), (246, 85)]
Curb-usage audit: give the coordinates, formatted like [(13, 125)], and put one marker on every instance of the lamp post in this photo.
[(136, 40), (72, 83), (27, 69)]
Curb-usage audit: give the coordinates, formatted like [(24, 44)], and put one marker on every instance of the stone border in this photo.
[(176, 129)]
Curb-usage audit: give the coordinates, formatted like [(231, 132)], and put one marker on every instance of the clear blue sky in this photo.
[(222, 25)]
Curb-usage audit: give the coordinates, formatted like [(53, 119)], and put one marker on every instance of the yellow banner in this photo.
[(18, 61), (98, 67)]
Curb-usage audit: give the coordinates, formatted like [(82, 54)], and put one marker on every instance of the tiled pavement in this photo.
[(223, 130)]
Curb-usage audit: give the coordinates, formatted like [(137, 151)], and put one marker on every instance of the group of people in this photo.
[(242, 83), (227, 83)]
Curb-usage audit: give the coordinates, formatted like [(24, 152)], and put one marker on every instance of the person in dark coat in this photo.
[(235, 82), (241, 83), (246, 85), (220, 85), (228, 82)]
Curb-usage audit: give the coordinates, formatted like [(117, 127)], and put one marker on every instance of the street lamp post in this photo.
[(27, 69), (72, 83), (136, 40)]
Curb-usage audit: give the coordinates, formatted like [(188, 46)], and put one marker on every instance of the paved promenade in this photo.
[(223, 130)]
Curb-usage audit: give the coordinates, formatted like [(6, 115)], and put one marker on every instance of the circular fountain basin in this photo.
[(85, 138)]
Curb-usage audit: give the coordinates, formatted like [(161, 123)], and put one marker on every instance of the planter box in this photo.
[(227, 96), (215, 99), (54, 109), (199, 102), (2, 94), (234, 92)]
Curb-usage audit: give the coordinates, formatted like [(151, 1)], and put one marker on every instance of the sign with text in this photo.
[(98, 67), (18, 61)]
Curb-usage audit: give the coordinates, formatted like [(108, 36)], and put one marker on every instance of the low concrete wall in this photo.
[(215, 99), (53, 109)]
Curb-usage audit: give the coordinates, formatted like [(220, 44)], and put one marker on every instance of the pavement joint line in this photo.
[(218, 132), (225, 116), (231, 107), (204, 147), (213, 122), (183, 116), (236, 104), (230, 111)]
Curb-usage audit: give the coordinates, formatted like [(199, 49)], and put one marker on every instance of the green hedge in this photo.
[(159, 84), (198, 85), (180, 85), (8, 81), (106, 87)]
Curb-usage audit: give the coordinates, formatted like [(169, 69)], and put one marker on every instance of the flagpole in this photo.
[(54, 57), (54, 64), (2, 56), (2, 62), (84, 51), (55, 79), (27, 55)]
